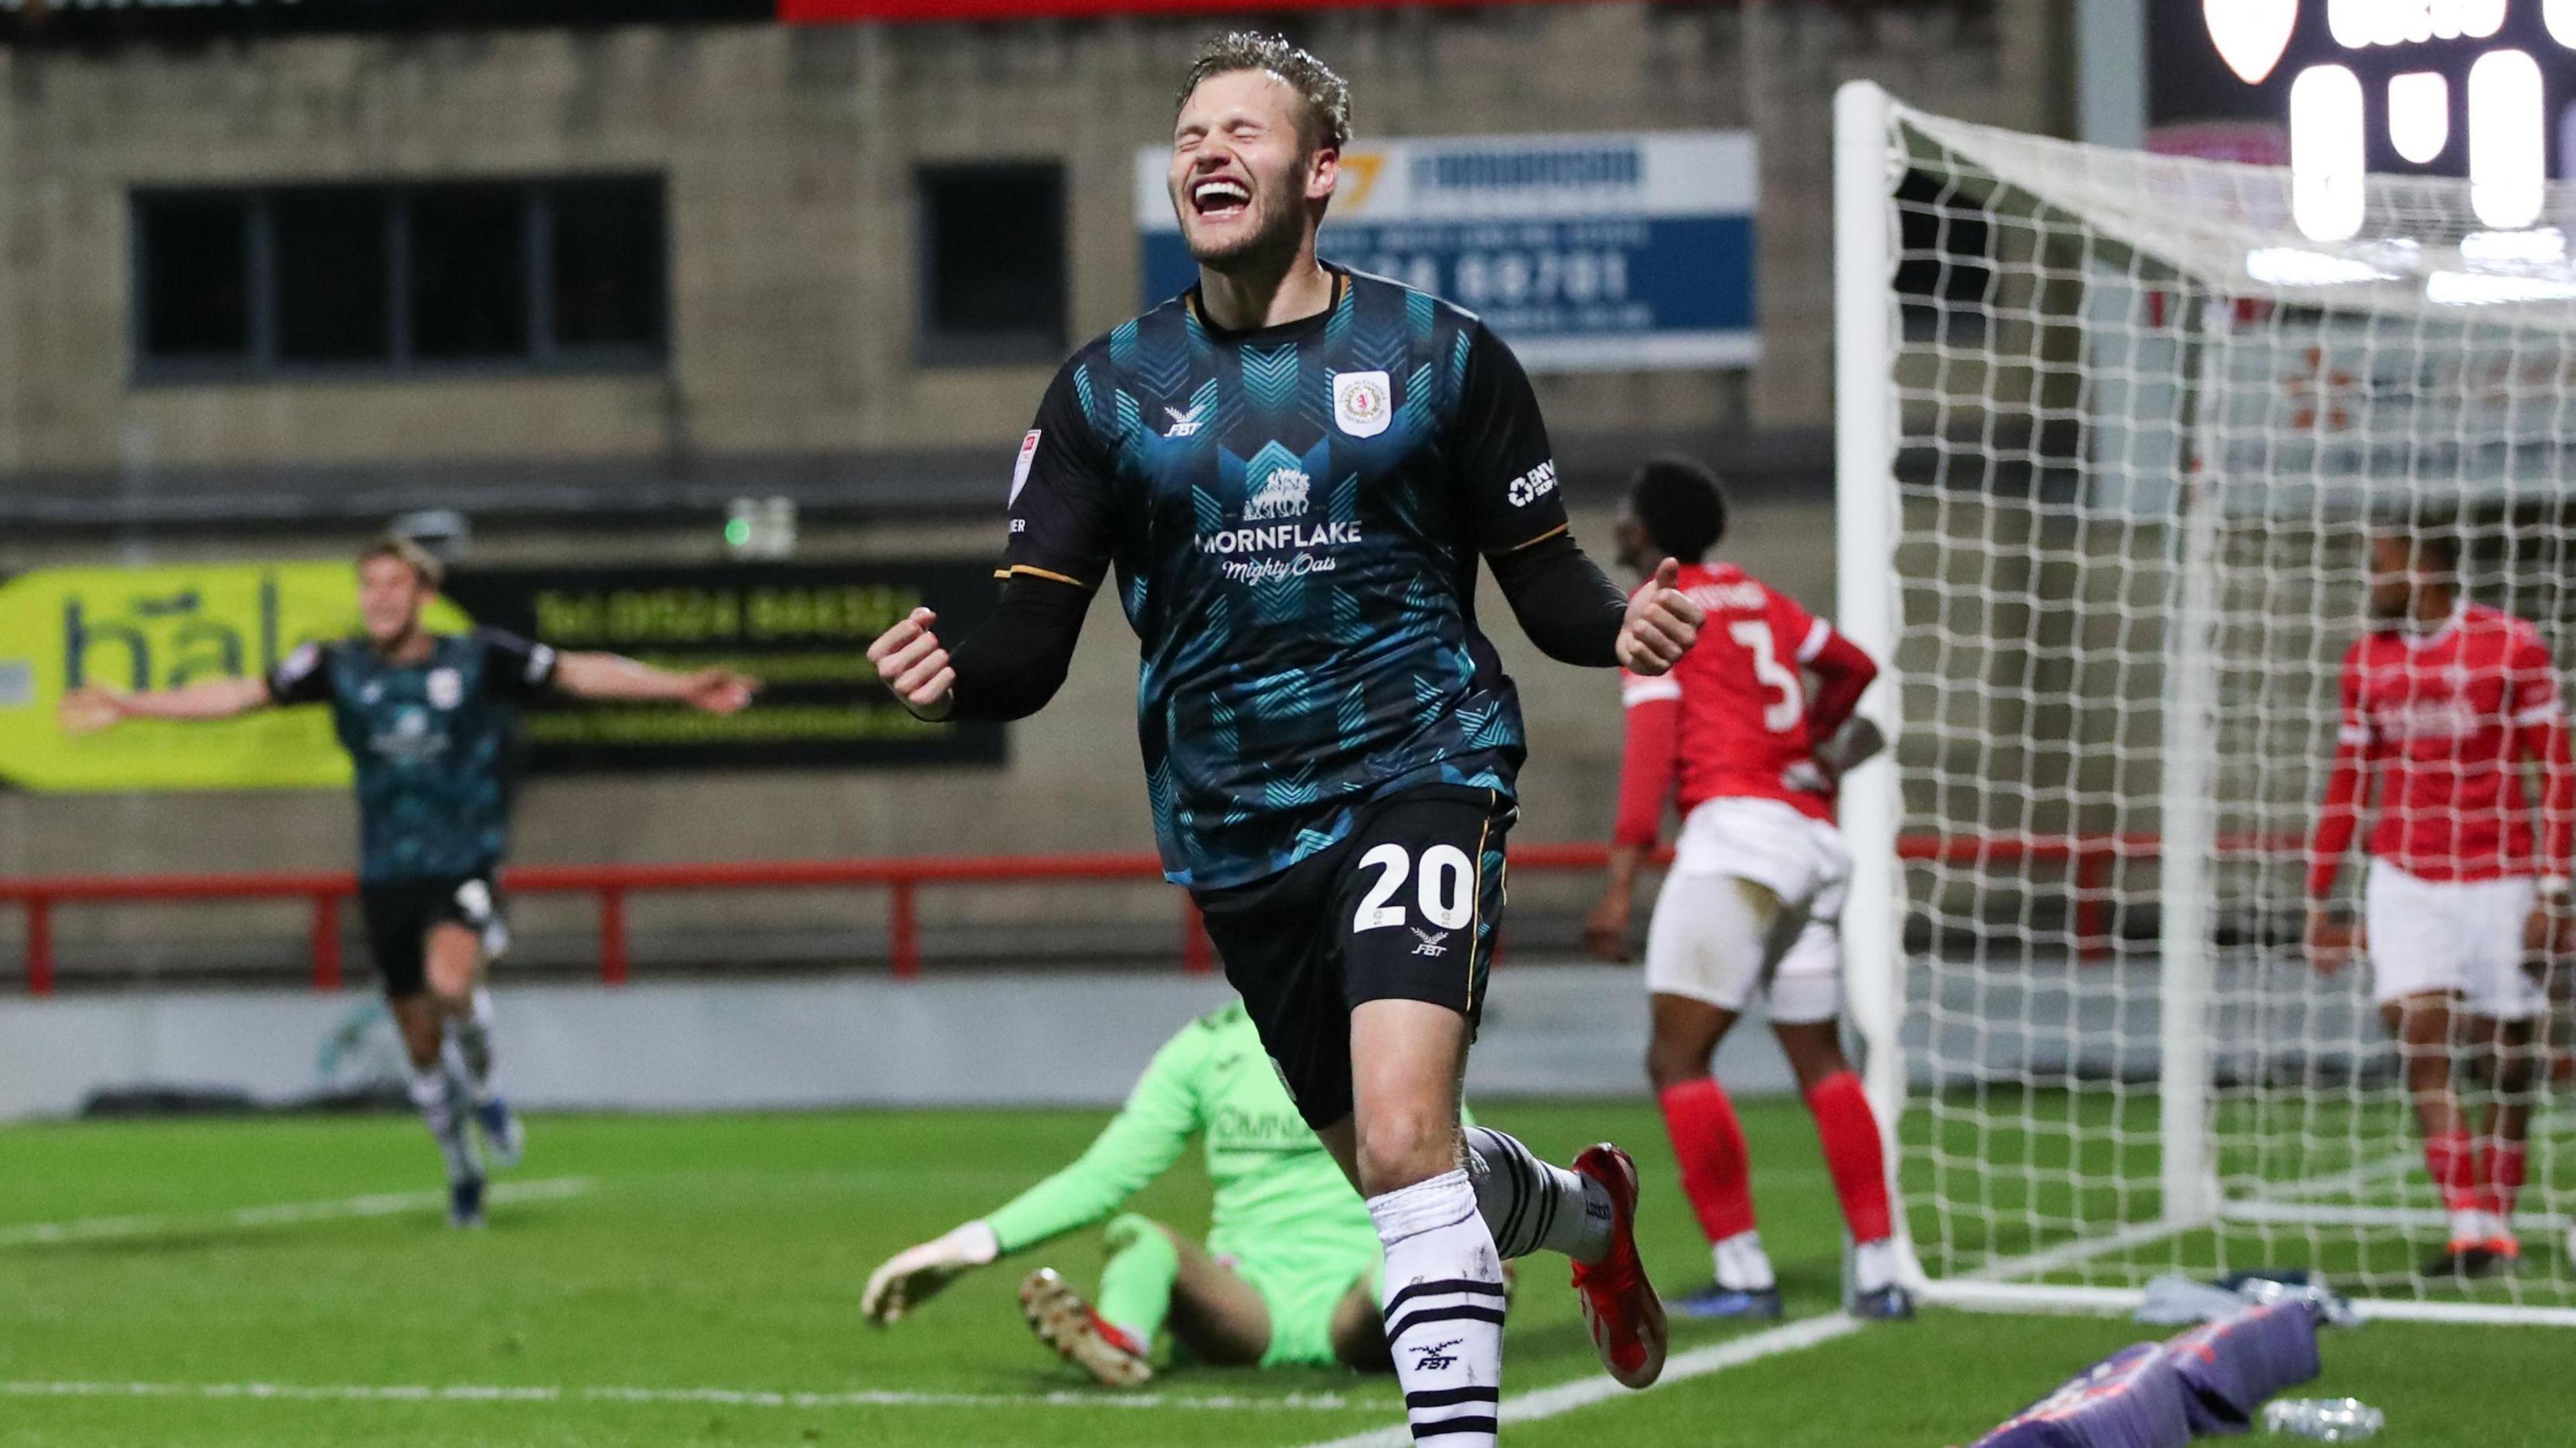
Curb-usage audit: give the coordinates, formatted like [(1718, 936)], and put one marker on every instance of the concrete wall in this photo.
[(790, 154), (1551, 1030)]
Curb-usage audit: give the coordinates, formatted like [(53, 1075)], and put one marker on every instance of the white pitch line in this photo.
[(2387, 1168), (1582, 1393), (693, 1397), (2081, 1249), (283, 1214)]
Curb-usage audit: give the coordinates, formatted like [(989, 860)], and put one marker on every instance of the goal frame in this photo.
[(1868, 530)]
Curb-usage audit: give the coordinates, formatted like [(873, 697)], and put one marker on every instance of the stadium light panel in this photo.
[(2327, 157), (2486, 289), (2419, 115), (2508, 139), (2540, 247), (2292, 266)]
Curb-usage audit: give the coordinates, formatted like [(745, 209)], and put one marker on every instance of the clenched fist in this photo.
[(910, 658)]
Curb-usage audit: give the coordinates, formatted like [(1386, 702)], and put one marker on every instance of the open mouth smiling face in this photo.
[(1236, 163)]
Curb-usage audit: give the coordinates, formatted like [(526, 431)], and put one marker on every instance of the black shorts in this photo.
[(1405, 907), (400, 914)]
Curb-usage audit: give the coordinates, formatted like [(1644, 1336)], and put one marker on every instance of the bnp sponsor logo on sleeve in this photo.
[(131, 629)]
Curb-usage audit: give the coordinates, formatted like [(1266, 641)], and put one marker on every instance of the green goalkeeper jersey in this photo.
[(1277, 1189)]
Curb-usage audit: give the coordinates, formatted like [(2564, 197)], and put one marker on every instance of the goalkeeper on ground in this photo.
[(1287, 1278)]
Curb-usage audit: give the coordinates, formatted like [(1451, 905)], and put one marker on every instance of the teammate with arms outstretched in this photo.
[(431, 722), (1285, 1279), (2445, 704), (1293, 471), (1756, 889)]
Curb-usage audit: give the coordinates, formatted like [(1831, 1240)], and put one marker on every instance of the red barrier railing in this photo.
[(2089, 861)]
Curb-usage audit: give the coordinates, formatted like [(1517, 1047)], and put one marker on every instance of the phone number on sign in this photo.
[(1513, 278)]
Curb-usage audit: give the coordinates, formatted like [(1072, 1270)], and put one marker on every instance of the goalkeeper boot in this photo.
[(1717, 1301), (1080, 1335), (1619, 1304), (502, 1132)]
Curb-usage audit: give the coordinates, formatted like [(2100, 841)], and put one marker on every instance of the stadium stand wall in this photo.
[(711, 1045), (788, 157)]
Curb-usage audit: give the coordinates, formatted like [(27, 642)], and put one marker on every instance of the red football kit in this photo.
[(1732, 719), (2445, 722)]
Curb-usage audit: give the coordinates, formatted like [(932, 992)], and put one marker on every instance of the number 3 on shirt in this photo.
[(1445, 894), (1782, 714)]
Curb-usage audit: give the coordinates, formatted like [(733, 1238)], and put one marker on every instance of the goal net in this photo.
[(2114, 438)]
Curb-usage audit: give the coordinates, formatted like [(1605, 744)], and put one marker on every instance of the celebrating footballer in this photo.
[(1290, 476), (431, 722)]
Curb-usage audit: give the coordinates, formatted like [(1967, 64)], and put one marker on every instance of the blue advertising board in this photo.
[(1585, 252)]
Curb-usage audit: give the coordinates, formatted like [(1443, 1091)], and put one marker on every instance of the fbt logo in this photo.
[(2335, 115)]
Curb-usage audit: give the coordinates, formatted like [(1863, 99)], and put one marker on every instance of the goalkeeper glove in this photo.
[(915, 1274)]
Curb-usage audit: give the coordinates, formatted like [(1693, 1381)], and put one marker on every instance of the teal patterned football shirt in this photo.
[(1293, 519), (435, 744)]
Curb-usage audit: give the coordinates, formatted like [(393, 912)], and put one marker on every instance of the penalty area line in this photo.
[(282, 1214), (1699, 1362), (688, 1397)]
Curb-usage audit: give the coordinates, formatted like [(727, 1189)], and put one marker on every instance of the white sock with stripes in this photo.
[(471, 1034), (1529, 1204), (1443, 1285), (441, 1097)]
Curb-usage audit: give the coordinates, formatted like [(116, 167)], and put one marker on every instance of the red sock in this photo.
[(1853, 1153), (1715, 1167), (2454, 1165), (2501, 1165)]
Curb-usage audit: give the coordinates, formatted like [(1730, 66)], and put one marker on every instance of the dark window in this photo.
[(377, 278), (331, 303), (606, 265), (1945, 259), (468, 249), (992, 263), (193, 277)]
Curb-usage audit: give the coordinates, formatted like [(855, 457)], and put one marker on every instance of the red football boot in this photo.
[(1626, 1317)]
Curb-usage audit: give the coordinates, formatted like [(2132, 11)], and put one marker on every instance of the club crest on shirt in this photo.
[(446, 688), (1362, 403)]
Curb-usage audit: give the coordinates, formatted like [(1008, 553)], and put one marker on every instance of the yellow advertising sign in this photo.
[(130, 629)]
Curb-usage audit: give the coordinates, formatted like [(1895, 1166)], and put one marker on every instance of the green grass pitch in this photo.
[(725, 1254)]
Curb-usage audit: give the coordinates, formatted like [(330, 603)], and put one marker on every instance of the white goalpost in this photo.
[(2112, 437)]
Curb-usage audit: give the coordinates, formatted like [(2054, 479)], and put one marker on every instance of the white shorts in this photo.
[(1713, 941), (2456, 937)]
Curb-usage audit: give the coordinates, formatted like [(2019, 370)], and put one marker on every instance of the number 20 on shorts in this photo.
[(1444, 890)]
